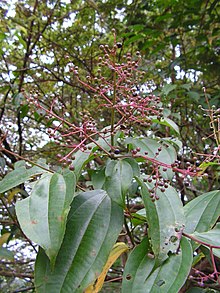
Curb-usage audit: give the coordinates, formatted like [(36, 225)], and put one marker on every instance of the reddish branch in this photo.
[(211, 247)]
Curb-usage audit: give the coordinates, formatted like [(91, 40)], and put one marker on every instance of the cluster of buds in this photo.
[(117, 86)]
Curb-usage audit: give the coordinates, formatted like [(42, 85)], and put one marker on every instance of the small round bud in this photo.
[(72, 168)]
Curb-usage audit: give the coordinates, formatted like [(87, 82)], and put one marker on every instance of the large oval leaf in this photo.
[(42, 216), (165, 218), (202, 212), (140, 275), (93, 226)]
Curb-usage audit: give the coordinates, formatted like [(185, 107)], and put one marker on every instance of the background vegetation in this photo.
[(44, 43)]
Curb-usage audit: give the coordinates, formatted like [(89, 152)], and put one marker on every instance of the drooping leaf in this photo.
[(119, 175), (166, 220), (138, 267), (117, 250), (43, 215), (94, 223), (141, 275), (202, 212), (19, 175)]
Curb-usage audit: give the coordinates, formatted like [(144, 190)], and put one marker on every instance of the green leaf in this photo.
[(6, 254), (119, 175), (81, 158), (194, 96), (17, 99), (211, 237), (43, 215), (186, 86), (94, 223), (178, 266), (202, 212), (24, 111), (168, 88), (98, 178), (167, 122), (137, 269), (19, 175), (2, 36), (167, 155), (141, 275), (165, 218)]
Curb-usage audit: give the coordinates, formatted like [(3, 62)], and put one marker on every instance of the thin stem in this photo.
[(129, 232), (113, 108), (16, 223), (25, 159), (210, 247)]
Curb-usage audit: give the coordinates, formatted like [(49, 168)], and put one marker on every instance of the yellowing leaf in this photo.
[(4, 238), (12, 193), (117, 250)]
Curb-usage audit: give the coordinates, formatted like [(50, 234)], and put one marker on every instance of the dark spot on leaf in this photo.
[(160, 283), (173, 238), (128, 277)]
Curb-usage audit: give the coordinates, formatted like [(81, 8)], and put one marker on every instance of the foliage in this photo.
[(129, 192)]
